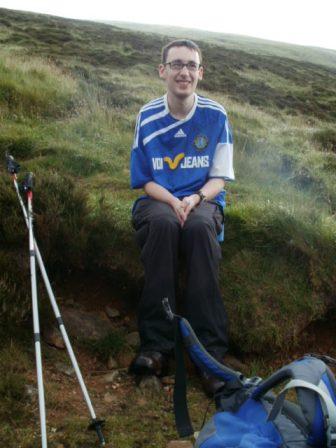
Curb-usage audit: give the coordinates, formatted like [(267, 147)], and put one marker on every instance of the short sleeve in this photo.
[(139, 165), (222, 163)]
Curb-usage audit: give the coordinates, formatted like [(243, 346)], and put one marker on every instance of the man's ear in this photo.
[(162, 72), (201, 73)]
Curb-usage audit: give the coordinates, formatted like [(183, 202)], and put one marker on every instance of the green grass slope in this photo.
[(254, 45), (69, 95)]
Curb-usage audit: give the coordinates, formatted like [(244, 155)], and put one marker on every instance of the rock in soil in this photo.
[(150, 383), (168, 380), (124, 359), (86, 325), (112, 363), (133, 339), (112, 313), (31, 391), (63, 368), (110, 377), (53, 337), (179, 444), (109, 398)]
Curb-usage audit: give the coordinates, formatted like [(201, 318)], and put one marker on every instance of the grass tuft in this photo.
[(13, 397), (326, 139)]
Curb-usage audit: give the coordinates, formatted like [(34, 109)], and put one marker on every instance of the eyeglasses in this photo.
[(179, 65)]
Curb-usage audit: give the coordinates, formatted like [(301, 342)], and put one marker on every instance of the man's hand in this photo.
[(179, 210), (189, 203), (183, 208)]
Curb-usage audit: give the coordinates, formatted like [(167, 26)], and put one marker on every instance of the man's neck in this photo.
[(179, 108)]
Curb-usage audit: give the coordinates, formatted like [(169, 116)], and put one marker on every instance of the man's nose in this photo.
[(185, 71)]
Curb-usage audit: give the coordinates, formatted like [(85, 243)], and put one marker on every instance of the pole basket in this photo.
[(96, 425)]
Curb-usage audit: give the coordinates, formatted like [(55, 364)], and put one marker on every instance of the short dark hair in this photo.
[(180, 43)]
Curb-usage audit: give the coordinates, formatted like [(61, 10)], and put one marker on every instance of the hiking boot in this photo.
[(149, 363), (211, 384)]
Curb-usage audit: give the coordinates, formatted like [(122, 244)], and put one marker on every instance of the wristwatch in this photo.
[(202, 196)]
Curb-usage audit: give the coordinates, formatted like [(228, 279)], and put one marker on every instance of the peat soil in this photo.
[(119, 398)]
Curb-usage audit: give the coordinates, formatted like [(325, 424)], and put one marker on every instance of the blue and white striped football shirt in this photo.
[(182, 155)]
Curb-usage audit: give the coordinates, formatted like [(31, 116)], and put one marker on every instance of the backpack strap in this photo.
[(204, 361), (182, 418), (327, 404), (181, 412), (186, 337), (307, 368)]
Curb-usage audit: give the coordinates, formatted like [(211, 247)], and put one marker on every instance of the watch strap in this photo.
[(201, 195)]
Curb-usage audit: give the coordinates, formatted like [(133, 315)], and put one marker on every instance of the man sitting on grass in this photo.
[(181, 157)]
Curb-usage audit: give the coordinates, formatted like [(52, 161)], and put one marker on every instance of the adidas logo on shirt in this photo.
[(180, 133)]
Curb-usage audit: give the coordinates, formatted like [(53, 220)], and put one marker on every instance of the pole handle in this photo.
[(12, 166)]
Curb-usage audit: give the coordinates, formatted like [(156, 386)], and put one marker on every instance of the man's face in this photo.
[(181, 83)]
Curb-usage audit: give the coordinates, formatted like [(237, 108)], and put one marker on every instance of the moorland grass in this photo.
[(28, 85), (75, 134), (318, 56), (14, 364)]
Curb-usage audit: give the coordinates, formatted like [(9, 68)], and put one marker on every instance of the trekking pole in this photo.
[(95, 424), (28, 188)]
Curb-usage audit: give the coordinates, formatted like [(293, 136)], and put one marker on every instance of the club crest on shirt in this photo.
[(201, 142)]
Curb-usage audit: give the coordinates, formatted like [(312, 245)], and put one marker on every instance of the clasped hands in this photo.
[(184, 207)]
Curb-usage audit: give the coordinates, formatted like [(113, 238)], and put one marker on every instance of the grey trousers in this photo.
[(164, 244)]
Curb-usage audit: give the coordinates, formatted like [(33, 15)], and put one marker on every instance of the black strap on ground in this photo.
[(182, 419)]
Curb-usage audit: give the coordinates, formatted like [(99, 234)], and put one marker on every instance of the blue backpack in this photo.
[(249, 414)]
